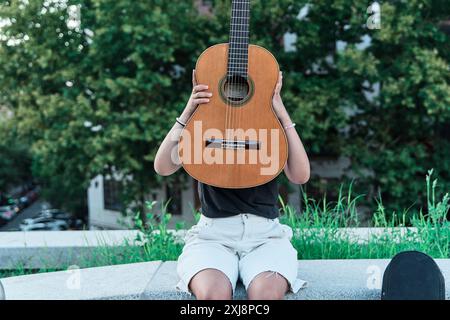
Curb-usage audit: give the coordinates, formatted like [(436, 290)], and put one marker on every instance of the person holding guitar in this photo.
[(238, 234)]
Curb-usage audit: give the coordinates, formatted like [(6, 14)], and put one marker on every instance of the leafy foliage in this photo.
[(103, 94), (100, 95), (15, 158)]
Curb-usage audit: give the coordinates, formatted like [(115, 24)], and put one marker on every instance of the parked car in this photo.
[(8, 208), (28, 196), (3, 220), (16, 205), (24, 202), (32, 195), (74, 223), (7, 200), (55, 214), (7, 213), (43, 223), (77, 224), (55, 225)]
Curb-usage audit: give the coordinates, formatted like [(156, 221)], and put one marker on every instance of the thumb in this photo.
[(280, 81)]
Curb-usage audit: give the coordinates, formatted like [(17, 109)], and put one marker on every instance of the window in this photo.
[(112, 192)]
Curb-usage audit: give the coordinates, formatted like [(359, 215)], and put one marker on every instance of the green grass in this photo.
[(319, 235), (319, 225)]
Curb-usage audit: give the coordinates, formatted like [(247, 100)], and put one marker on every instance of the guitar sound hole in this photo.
[(236, 89)]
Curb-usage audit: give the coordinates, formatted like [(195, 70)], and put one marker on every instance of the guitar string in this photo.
[(233, 66), (238, 48), (237, 24), (245, 34), (242, 59), (235, 82), (228, 79), (238, 69), (240, 76), (232, 49), (231, 70), (226, 93), (238, 57)]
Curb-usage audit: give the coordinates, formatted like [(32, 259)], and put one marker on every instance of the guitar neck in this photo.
[(239, 38)]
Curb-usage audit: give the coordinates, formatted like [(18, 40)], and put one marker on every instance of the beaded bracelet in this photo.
[(289, 126)]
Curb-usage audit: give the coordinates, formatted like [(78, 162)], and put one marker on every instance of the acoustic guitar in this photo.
[(235, 140)]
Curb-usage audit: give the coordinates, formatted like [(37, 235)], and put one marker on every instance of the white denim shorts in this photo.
[(241, 246)]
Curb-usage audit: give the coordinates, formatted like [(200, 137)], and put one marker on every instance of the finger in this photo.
[(277, 90), (202, 95), (199, 87), (280, 81), (278, 86), (200, 101), (194, 80)]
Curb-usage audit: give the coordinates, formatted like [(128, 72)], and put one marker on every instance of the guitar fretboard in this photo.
[(239, 38)]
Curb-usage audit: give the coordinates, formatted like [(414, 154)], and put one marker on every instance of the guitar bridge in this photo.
[(232, 144)]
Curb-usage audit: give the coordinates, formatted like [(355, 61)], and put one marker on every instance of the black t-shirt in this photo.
[(221, 202)]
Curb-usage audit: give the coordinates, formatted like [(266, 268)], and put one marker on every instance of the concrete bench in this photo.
[(119, 282), (327, 280)]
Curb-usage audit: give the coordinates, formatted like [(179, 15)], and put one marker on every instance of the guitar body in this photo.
[(211, 149)]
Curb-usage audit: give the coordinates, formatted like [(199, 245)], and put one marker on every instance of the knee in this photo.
[(268, 288), (266, 294), (213, 293), (211, 284)]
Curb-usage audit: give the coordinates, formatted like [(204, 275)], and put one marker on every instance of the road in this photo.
[(29, 212)]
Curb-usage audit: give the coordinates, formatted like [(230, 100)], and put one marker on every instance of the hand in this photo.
[(277, 102), (199, 96)]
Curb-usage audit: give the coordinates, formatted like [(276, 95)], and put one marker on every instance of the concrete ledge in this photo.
[(83, 238), (119, 282), (327, 280), (52, 249), (41, 249)]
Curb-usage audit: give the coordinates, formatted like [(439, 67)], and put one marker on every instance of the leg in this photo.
[(269, 270), (211, 284), (268, 285), (208, 270)]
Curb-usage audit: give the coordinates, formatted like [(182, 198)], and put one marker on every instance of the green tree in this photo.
[(378, 96), (15, 158), (401, 134), (104, 93), (100, 95)]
